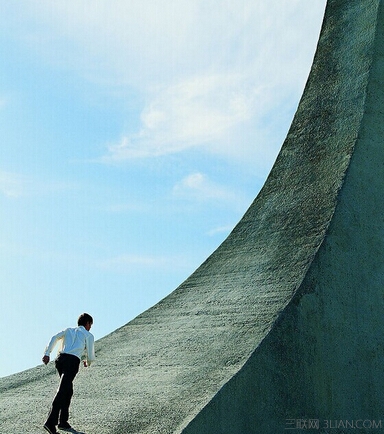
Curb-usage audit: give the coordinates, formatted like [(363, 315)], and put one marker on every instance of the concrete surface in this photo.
[(283, 322)]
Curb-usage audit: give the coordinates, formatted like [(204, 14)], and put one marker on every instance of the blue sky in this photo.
[(135, 134)]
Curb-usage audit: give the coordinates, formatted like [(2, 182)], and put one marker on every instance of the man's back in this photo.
[(75, 341)]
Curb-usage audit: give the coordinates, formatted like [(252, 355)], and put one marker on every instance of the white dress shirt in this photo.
[(76, 341)]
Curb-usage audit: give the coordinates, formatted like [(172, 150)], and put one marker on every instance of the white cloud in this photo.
[(196, 110), (243, 81), (119, 42), (207, 72), (198, 186), (190, 114), (136, 41)]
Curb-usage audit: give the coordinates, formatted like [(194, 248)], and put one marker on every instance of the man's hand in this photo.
[(46, 360)]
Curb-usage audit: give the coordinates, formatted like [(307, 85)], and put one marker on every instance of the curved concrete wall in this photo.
[(321, 366), (282, 321)]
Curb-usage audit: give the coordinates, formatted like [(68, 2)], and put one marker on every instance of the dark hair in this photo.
[(84, 318)]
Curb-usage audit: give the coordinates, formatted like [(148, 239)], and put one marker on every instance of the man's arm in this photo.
[(90, 348), (51, 345)]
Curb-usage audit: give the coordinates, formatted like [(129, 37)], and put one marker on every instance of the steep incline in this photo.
[(283, 321)]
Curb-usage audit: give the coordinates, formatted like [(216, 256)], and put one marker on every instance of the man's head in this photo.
[(85, 320)]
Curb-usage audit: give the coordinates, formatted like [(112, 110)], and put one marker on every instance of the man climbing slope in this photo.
[(76, 344)]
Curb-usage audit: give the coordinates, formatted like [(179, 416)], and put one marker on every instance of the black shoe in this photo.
[(67, 428), (51, 429)]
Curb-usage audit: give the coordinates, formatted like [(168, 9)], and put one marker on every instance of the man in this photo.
[(76, 344)]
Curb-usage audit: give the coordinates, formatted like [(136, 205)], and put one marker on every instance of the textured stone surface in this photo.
[(284, 320)]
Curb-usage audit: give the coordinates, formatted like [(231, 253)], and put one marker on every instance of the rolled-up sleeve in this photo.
[(52, 342)]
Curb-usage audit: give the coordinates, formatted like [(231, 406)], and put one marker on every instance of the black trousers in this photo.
[(67, 366)]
